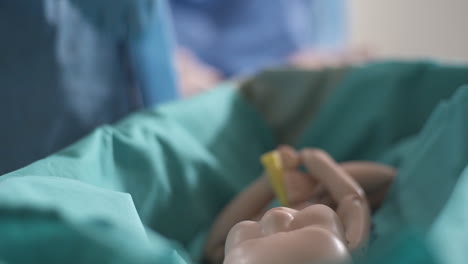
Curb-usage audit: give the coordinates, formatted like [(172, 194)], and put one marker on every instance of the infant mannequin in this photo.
[(328, 216)]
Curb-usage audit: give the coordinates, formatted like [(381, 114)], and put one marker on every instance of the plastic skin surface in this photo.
[(328, 216)]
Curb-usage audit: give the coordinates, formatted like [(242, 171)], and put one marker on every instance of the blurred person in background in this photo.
[(219, 39), (67, 66)]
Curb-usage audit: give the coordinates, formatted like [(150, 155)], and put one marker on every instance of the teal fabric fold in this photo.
[(170, 169), (379, 105), (449, 235), (429, 171), (32, 235)]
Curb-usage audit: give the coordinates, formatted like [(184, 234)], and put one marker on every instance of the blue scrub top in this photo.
[(243, 36), (62, 73)]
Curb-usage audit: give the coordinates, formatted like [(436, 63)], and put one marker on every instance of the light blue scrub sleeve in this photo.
[(146, 25), (151, 55)]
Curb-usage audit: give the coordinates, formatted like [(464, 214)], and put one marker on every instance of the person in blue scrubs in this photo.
[(68, 66), (241, 37)]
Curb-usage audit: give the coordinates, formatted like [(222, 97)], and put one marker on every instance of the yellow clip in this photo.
[(274, 168)]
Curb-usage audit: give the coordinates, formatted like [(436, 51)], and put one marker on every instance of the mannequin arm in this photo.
[(247, 205), (374, 178), (352, 208)]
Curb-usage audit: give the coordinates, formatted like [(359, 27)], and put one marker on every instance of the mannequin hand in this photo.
[(290, 158), (299, 187), (303, 190)]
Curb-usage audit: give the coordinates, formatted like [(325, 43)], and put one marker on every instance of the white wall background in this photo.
[(411, 28)]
